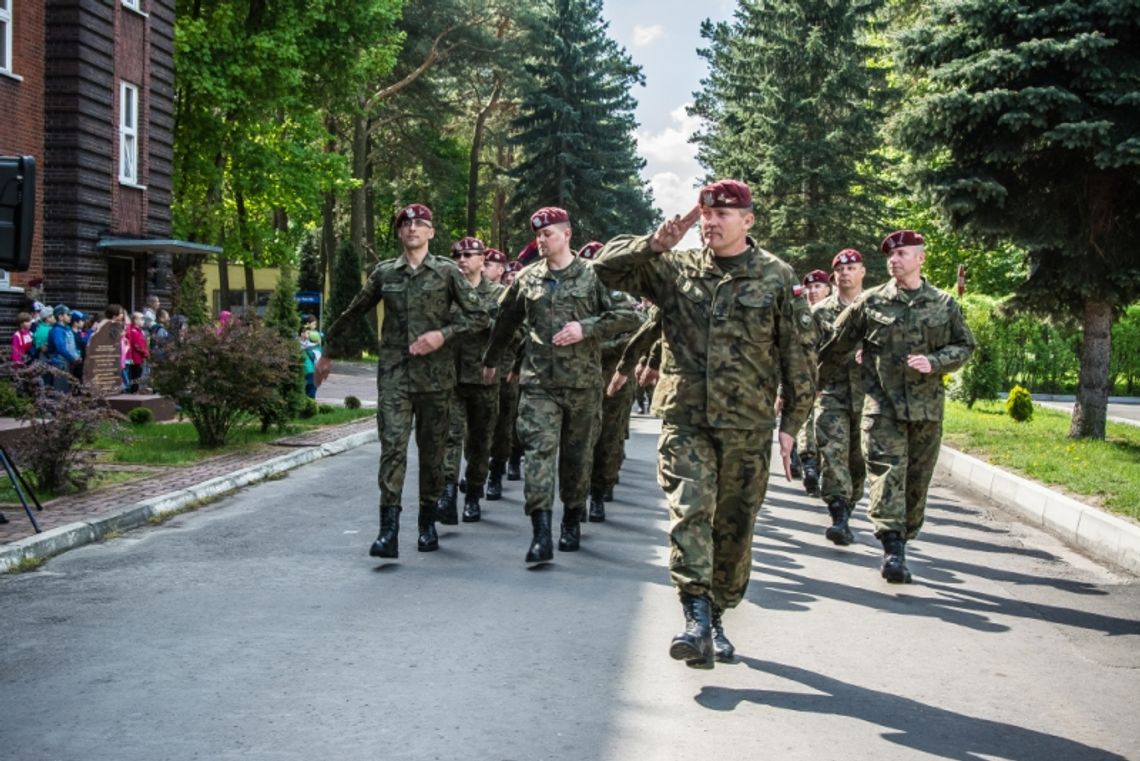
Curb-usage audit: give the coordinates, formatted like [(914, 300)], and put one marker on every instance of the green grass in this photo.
[(177, 443), (102, 478), (1107, 470)]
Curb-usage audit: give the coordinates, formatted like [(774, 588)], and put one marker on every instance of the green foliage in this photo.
[(12, 403), (1125, 367), (281, 312), (981, 378), (190, 297), (791, 106), (351, 403), (575, 127), (308, 409), (310, 275), (141, 416), (351, 342), (1019, 405), (324, 409), (220, 377)]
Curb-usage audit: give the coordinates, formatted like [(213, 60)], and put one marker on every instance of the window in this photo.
[(132, 4), (6, 36), (129, 134)]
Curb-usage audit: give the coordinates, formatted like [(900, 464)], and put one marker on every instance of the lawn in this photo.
[(177, 443), (1107, 470)]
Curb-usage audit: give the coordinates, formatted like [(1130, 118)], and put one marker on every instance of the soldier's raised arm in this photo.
[(631, 263)]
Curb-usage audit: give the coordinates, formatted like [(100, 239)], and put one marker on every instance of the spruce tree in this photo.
[(281, 311), (359, 336), (791, 106), (190, 297), (1027, 128), (576, 128), (310, 276)]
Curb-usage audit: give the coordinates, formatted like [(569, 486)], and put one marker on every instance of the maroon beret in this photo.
[(468, 244), (901, 238), (515, 266), (413, 211), (546, 216), (846, 256), (528, 254), (590, 250), (815, 276), (496, 256), (726, 194)]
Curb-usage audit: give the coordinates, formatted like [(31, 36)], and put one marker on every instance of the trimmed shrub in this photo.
[(324, 409), (351, 403), (308, 409), (140, 416), (1019, 405), (220, 377)]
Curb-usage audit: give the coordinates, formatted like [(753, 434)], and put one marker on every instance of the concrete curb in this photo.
[(1102, 534), (63, 538)]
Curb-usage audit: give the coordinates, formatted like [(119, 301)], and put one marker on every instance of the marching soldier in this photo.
[(565, 312), (733, 331), (912, 333), (816, 288), (426, 303), (839, 406)]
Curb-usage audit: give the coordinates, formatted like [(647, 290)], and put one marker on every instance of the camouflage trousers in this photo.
[(474, 411), (842, 469), (504, 436), (714, 481), (557, 428), (805, 439), (609, 448), (397, 410), (900, 462)]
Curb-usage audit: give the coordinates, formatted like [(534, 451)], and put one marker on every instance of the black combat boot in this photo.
[(428, 540), (694, 646), (447, 509), (514, 466), (495, 481), (723, 649), (472, 512), (463, 486), (571, 535), (811, 476), (608, 494), (796, 465), (541, 544), (387, 544), (839, 532), (894, 567), (597, 512)]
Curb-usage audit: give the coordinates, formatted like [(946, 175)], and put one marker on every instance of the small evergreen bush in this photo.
[(351, 403), (1019, 405), (140, 416), (324, 409), (308, 409)]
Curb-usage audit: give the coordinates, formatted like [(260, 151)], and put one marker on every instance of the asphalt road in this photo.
[(258, 628)]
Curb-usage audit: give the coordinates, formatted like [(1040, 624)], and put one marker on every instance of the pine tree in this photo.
[(281, 311), (1027, 128), (576, 128), (791, 107), (190, 297), (310, 275), (358, 337)]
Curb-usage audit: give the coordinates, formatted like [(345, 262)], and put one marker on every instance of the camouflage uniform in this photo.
[(561, 393), (838, 411), (475, 406), (415, 387), (644, 347), (732, 331), (609, 447), (902, 408)]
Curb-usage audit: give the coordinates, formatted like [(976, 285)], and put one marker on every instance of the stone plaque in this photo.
[(101, 368)]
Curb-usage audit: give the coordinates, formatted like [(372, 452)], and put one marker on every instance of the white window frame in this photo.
[(6, 33), (129, 134), (132, 4)]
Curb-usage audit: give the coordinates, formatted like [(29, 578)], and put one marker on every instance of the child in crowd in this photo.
[(22, 340), (311, 346)]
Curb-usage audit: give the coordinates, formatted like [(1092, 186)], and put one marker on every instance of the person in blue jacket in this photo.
[(62, 352)]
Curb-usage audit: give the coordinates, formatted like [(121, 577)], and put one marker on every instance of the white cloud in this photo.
[(671, 145), (674, 194), (672, 168), (644, 35)]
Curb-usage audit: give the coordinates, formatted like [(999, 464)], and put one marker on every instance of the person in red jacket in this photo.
[(138, 351), (22, 339)]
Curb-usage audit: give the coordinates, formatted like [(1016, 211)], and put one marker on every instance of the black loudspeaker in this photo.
[(17, 211)]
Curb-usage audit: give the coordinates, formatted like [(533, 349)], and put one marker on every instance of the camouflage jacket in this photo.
[(846, 386), (729, 339), (543, 301), (613, 346), (415, 302), (469, 351), (639, 346), (893, 324)]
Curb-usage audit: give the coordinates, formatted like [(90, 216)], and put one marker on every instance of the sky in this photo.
[(662, 36)]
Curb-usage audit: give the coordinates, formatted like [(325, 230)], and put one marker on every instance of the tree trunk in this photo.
[(250, 292), (223, 283), (476, 149), (1091, 407), (369, 252), (328, 236), (359, 171)]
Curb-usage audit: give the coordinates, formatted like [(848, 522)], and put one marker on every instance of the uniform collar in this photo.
[(891, 290), (571, 270), (710, 268), (431, 261)]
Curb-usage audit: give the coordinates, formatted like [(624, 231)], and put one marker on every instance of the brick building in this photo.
[(93, 83)]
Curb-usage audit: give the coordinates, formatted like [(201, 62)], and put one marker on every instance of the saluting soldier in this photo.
[(733, 331), (565, 312), (475, 405), (426, 304), (912, 333), (839, 406)]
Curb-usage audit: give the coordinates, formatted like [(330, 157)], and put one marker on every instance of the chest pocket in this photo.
[(879, 326), (755, 313), (935, 329)]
